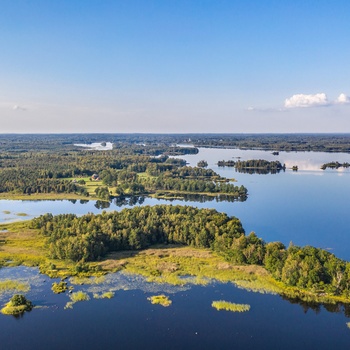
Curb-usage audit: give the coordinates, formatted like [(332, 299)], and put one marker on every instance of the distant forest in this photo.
[(270, 142)]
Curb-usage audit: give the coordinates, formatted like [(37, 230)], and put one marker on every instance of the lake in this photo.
[(309, 206)]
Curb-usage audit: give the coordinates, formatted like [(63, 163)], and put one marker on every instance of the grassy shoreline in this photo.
[(176, 265)]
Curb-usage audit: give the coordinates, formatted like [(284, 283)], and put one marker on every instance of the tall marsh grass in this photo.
[(226, 305)]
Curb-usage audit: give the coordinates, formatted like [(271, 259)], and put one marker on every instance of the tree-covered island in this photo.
[(259, 166), (335, 165), (217, 247)]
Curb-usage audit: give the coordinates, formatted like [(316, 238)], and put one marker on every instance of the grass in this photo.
[(75, 298), (22, 214), (107, 295), (21, 245), (160, 299), (87, 280), (42, 196), (6, 212), (79, 296), (59, 287), (179, 265), (176, 265), (13, 285), (225, 305)]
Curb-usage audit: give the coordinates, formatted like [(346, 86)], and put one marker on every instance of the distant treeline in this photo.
[(91, 237), (155, 142)]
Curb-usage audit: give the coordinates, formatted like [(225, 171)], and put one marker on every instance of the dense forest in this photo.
[(135, 169), (91, 237)]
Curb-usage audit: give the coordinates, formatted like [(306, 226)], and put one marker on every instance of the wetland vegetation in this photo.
[(160, 299), (228, 306), (214, 247), (17, 305)]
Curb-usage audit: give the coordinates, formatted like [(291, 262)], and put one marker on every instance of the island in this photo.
[(174, 241)]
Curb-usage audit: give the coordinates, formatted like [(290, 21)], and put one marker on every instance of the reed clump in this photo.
[(107, 295), (228, 306), (160, 299), (13, 285)]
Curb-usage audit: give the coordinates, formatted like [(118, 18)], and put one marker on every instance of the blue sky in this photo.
[(174, 66)]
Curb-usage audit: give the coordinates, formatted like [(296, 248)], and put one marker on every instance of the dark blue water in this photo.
[(307, 207), (130, 321)]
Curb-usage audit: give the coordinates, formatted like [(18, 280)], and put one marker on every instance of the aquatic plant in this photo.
[(348, 324), (160, 299), (59, 287), (226, 305), (76, 297), (13, 285), (107, 295), (79, 296), (87, 280), (17, 305)]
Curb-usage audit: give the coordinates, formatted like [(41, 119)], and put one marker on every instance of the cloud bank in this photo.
[(302, 101), (314, 100)]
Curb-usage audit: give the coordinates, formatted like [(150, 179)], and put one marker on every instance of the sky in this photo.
[(174, 66)]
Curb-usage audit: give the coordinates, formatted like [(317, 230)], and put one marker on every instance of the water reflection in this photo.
[(259, 171)]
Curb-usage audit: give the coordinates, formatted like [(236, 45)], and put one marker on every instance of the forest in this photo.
[(91, 237), (124, 171), (269, 142)]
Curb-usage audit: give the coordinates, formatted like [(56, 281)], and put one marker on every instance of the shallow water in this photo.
[(130, 321)]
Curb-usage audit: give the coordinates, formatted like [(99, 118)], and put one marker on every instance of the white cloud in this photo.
[(343, 99), (303, 100)]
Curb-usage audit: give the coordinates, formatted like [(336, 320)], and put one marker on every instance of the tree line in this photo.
[(91, 237)]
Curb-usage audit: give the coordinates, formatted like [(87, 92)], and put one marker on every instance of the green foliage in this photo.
[(202, 164), (160, 299), (17, 305), (9, 285), (260, 166), (225, 305), (59, 287), (75, 298), (91, 236), (106, 295), (335, 165), (79, 296)]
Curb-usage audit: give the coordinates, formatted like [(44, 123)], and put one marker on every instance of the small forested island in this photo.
[(17, 305), (335, 165), (259, 166)]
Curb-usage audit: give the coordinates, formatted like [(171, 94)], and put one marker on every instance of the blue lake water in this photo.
[(307, 207)]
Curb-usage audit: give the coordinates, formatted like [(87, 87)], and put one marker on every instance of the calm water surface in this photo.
[(307, 207)]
